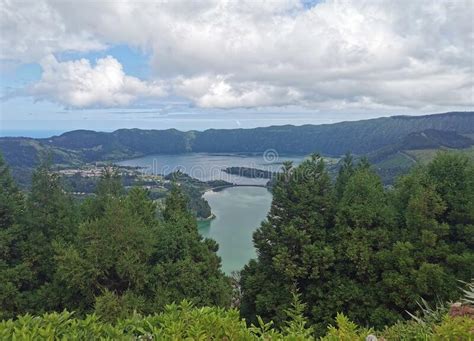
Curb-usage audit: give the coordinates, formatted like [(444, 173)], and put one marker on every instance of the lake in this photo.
[(239, 211), (205, 166)]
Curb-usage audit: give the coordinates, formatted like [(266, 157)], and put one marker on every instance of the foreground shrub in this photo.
[(346, 330), (186, 322), (451, 328), (177, 322)]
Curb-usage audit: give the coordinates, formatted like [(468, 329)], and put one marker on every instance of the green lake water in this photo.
[(239, 211)]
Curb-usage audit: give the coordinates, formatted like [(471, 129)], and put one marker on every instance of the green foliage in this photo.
[(189, 267), (366, 251), (408, 331), (112, 255), (112, 307), (297, 323), (450, 328), (177, 322), (12, 271), (176, 204), (185, 322), (11, 200), (110, 183), (346, 330), (50, 217), (108, 187), (331, 139), (429, 315), (346, 170), (291, 243), (352, 247), (458, 328), (468, 293)]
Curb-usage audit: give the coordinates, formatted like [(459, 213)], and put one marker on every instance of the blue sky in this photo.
[(210, 64)]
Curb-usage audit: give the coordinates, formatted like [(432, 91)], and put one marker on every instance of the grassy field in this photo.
[(426, 155)]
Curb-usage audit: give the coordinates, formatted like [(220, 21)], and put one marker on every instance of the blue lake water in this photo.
[(206, 166), (239, 210)]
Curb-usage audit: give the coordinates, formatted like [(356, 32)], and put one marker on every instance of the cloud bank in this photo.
[(336, 55), (79, 84)]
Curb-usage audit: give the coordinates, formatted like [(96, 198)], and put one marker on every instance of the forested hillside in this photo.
[(358, 137), (355, 247), (349, 246)]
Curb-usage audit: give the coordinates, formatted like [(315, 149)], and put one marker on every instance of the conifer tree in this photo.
[(370, 254), (12, 235), (292, 244), (51, 218), (188, 266)]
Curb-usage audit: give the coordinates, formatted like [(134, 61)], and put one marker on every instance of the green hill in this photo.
[(383, 139), (396, 159)]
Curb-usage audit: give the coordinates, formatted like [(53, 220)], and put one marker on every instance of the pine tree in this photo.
[(12, 270), (372, 253), (108, 187), (112, 254), (293, 250), (346, 170), (51, 218), (188, 266)]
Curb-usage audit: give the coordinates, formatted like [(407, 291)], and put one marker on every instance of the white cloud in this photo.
[(79, 84), (415, 55), (30, 30), (211, 92)]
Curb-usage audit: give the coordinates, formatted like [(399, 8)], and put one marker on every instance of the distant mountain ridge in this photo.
[(359, 137)]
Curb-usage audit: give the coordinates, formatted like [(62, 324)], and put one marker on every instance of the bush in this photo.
[(346, 330), (177, 322), (451, 328), (184, 321)]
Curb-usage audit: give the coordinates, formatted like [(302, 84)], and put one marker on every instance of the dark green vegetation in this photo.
[(111, 255), (386, 138), (158, 187), (249, 172), (357, 248), (194, 189), (420, 147), (349, 246)]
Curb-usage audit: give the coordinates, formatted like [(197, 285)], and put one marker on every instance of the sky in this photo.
[(201, 64)]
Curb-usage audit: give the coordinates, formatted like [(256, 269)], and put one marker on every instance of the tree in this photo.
[(125, 259), (293, 250), (364, 227), (435, 233), (371, 253), (51, 218), (453, 176), (108, 187), (363, 203), (187, 265), (112, 255), (12, 271), (345, 172), (138, 203)]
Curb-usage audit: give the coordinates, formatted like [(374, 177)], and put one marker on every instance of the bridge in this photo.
[(237, 185)]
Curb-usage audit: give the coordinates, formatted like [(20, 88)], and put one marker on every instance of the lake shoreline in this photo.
[(211, 217), (240, 211)]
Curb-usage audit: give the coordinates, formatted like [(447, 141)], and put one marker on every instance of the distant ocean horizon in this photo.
[(30, 133)]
